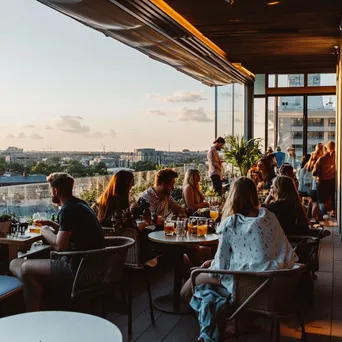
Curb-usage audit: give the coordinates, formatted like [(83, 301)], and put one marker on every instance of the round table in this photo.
[(176, 246), (57, 326)]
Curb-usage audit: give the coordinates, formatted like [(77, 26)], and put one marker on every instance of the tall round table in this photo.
[(57, 326), (176, 247)]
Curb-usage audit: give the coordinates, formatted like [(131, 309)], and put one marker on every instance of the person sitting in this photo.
[(191, 192), (159, 196), (287, 206), (113, 210), (264, 172), (78, 229), (288, 171), (250, 240)]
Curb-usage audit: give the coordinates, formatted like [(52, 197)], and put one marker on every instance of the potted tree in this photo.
[(241, 153), (5, 223)]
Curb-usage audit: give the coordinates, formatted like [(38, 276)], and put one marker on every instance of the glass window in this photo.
[(321, 120), (259, 119), (238, 109), (288, 81), (224, 110), (259, 84), (290, 123), (271, 81), (316, 80), (270, 123)]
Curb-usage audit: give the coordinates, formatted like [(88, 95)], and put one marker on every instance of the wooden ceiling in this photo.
[(294, 36)]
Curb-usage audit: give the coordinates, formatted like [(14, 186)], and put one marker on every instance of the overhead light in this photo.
[(272, 2)]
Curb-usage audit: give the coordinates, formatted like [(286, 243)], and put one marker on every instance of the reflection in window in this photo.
[(288, 81), (317, 80)]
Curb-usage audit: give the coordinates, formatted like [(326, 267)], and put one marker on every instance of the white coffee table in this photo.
[(57, 326)]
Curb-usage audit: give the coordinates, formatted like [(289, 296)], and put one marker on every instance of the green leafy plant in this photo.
[(5, 217), (241, 153)]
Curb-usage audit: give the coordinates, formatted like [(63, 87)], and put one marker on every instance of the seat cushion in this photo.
[(9, 285)]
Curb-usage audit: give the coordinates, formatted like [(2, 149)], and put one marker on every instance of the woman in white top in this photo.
[(250, 239)]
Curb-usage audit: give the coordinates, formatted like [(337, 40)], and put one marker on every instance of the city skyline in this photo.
[(67, 87)]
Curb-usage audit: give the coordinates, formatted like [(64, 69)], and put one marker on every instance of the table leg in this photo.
[(173, 303), (12, 252)]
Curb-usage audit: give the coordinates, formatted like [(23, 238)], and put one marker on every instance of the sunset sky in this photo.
[(65, 86)]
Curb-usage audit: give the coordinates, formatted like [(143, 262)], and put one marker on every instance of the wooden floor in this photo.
[(324, 320)]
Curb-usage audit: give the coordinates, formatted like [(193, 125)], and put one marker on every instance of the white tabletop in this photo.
[(189, 239), (57, 326)]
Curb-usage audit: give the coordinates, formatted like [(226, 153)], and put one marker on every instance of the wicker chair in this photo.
[(99, 270), (271, 294), (133, 262), (307, 249)]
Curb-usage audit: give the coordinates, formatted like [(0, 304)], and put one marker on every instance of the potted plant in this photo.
[(241, 153), (5, 223)]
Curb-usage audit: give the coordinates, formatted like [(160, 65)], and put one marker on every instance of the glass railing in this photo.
[(25, 200)]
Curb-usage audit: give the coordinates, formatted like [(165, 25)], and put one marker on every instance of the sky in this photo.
[(67, 87)]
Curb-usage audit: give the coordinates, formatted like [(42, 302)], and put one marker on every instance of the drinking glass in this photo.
[(192, 226), (35, 217), (180, 228), (202, 227), (169, 227), (214, 213)]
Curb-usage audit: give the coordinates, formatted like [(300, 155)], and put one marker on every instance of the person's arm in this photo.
[(58, 242), (49, 223), (176, 208), (189, 199), (222, 256)]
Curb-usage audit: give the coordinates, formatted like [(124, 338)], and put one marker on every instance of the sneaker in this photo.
[(325, 233)]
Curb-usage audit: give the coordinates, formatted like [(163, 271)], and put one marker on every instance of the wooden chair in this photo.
[(133, 263), (271, 294), (98, 271)]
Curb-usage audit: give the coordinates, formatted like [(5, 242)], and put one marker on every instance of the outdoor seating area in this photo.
[(242, 241)]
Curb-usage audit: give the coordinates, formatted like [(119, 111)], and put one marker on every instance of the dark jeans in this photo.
[(217, 184), (326, 189)]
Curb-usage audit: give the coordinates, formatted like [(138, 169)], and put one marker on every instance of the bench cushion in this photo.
[(9, 285)]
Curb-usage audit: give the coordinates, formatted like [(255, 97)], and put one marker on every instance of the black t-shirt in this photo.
[(86, 231), (287, 217)]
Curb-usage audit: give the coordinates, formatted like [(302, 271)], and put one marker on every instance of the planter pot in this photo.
[(5, 226)]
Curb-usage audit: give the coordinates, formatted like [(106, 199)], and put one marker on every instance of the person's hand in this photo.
[(206, 264), (45, 223)]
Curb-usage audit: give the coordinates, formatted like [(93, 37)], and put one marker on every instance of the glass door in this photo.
[(290, 126)]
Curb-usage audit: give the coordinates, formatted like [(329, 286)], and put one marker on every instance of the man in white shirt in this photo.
[(215, 164)]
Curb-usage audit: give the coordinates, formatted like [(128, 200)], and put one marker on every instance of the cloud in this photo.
[(71, 124), (225, 94), (36, 136), (111, 133), (30, 126), (157, 112), (22, 135), (179, 96), (97, 134), (47, 127), (198, 115)]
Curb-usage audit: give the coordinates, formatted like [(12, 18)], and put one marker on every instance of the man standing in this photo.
[(215, 164), (78, 229), (280, 157), (324, 170)]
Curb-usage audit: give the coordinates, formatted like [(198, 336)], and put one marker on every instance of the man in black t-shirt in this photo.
[(77, 229)]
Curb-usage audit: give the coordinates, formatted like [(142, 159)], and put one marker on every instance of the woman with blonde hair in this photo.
[(250, 239), (287, 206), (191, 191)]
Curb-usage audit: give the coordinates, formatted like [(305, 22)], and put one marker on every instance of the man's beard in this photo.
[(55, 199)]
